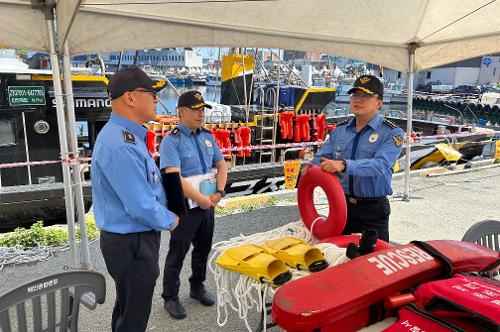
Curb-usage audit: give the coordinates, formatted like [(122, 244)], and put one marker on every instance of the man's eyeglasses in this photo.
[(362, 96), (152, 92)]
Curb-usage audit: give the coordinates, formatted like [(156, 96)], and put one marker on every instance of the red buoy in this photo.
[(335, 222)]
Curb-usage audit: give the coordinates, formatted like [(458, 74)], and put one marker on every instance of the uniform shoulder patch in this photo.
[(175, 132), (390, 123), (398, 140), (128, 137), (344, 122)]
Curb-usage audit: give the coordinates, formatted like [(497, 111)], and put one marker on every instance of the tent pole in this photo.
[(58, 94), (74, 161), (409, 112)]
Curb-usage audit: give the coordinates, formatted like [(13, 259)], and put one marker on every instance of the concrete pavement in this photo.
[(441, 207)]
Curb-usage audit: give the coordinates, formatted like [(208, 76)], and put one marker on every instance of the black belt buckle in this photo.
[(362, 200)]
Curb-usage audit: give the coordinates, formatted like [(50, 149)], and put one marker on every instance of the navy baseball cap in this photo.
[(192, 99), (129, 79), (369, 84)]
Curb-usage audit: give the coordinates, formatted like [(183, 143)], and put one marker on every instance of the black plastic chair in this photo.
[(59, 295), (485, 233)]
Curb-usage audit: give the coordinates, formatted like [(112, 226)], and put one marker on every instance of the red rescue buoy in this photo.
[(335, 222)]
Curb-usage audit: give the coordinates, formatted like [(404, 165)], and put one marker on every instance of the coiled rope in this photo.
[(242, 293), (17, 255)]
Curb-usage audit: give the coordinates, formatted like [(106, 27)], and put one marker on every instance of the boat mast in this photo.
[(217, 74), (243, 54), (262, 66), (288, 67), (293, 65)]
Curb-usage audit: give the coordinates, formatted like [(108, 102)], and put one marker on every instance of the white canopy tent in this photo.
[(378, 31), (406, 35)]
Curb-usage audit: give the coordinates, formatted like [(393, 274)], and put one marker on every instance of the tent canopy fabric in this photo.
[(377, 31)]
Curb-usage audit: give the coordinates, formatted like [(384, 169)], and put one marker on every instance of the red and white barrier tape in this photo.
[(236, 149), (265, 147), (42, 162), (272, 146), (489, 133)]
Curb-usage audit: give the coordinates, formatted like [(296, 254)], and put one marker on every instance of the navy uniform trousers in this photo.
[(196, 227), (132, 262), (368, 214)]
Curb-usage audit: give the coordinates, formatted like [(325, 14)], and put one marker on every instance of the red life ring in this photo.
[(337, 215), (343, 241)]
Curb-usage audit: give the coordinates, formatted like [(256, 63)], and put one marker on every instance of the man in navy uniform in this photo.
[(129, 199), (365, 150), (192, 150)]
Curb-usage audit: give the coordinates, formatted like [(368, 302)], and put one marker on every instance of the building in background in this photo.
[(165, 57), (490, 69), (479, 70)]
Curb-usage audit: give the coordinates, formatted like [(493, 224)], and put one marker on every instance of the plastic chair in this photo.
[(485, 233), (59, 295)]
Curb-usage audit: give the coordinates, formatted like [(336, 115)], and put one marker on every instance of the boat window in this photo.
[(81, 129), (7, 133)]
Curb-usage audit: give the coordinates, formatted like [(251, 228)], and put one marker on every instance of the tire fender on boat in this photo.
[(335, 222)]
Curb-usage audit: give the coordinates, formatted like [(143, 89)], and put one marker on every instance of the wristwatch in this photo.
[(221, 192)]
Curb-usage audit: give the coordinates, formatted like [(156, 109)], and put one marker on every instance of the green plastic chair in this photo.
[(59, 295), (485, 233)]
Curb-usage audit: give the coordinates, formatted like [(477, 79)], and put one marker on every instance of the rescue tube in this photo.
[(343, 241), (345, 295), (337, 215)]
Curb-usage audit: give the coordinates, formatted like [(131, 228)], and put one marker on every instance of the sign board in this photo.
[(26, 95), (88, 103), (292, 168)]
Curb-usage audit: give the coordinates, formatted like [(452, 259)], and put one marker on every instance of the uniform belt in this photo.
[(364, 200)]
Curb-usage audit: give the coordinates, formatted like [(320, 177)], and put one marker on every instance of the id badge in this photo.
[(208, 187)]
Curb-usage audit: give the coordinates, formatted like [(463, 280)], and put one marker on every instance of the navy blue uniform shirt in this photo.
[(194, 153), (370, 156), (127, 189)]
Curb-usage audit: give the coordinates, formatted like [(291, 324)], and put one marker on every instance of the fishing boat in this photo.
[(213, 80), (258, 126), (31, 186)]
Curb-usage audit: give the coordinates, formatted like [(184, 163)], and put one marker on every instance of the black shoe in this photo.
[(202, 295), (175, 308)]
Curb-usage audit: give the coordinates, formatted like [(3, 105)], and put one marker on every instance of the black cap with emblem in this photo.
[(129, 79), (192, 99), (369, 84)]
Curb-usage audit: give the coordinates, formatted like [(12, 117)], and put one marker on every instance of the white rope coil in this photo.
[(17, 255), (242, 293)]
